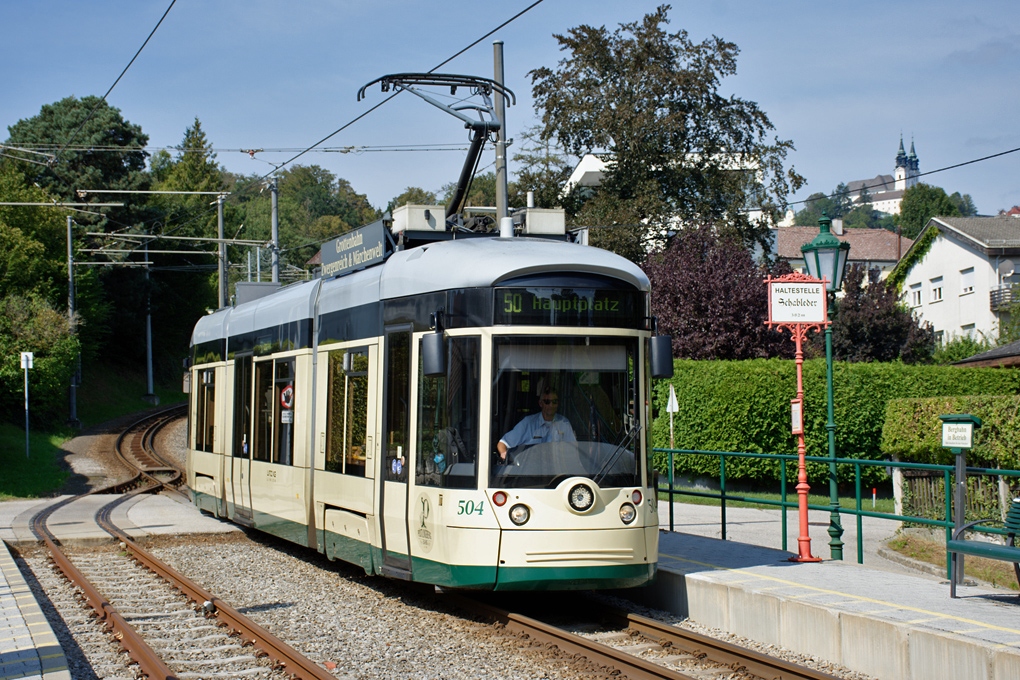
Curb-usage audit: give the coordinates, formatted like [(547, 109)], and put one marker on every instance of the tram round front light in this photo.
[(581, 497), (499, 498), (519, 514), (627, 513), (636, 497)]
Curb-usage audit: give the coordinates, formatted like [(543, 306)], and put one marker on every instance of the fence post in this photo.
[(671, 490), (722, 489)]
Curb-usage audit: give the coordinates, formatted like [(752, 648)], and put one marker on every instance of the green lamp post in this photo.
[(826, 257)]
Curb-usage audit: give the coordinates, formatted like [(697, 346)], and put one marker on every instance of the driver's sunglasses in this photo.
[(548, 402)]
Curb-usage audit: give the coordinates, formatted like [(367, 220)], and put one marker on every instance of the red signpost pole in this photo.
[(799, 332), (797, 302)]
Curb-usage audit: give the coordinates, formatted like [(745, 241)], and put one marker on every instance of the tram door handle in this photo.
[(369, 449)]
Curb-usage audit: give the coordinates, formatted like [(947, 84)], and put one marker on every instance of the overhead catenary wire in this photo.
[(103, 98), (310, 148)]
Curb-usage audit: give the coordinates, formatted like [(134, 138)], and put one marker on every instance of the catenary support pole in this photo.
[(223, 253), (275, 245), (502, 209)]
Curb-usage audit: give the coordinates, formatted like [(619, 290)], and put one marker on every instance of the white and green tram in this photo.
[(360, 414)]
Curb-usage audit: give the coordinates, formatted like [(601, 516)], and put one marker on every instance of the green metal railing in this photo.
[(782, 460)]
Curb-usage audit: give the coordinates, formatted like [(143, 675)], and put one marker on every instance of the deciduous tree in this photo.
[(710, 296), (871, 324), (920, 203), (680, 149)]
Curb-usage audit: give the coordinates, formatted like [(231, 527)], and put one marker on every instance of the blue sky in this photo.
[(841, 80)]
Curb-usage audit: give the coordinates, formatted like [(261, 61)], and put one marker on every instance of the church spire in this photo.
[(901, 155)]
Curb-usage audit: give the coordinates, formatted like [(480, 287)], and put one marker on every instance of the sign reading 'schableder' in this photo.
[(797, 302), (354, 250)]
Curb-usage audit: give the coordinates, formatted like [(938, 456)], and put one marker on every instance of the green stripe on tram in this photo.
[(468, 577)]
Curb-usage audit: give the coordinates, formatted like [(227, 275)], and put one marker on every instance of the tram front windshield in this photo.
[(565, 407)]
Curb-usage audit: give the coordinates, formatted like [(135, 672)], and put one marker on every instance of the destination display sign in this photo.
[(796, 302), (568, 307), (354, 250)]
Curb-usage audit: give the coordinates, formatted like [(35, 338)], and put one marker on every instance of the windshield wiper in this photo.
[(623, 446)]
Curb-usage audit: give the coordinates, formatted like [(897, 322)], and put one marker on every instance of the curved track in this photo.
[(177, 629)]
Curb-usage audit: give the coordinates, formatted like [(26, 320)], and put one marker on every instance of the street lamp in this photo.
[(826, 257)]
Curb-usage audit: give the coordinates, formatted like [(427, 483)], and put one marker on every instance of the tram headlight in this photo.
[(627, 513), (636, 497), (581, 497), (519, 514), (499, 498)]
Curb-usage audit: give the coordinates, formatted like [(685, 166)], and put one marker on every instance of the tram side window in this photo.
[(398, 393), (205, 410), (347, 415), (447, 421), (284, 409), (242, 405), (274, 409)]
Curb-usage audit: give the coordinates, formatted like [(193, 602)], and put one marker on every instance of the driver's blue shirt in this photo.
[(535, 429)]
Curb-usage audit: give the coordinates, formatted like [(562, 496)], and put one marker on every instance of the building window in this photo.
[(915, 295), (938, 337), (936, 290), (966, 281), (967, 330)]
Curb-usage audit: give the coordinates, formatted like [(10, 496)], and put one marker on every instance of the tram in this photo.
[(444, 404), (361, 414)]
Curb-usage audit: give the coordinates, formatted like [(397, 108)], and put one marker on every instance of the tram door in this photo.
[(240, 461), (396, 421)]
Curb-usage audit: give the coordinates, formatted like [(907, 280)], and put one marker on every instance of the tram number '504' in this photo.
[(469, 507)]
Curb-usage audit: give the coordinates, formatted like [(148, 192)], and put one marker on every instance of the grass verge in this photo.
[(848, 503), (999, 574), (106, 393)]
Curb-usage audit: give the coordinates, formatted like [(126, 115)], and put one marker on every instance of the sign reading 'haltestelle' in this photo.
[(796, 302)]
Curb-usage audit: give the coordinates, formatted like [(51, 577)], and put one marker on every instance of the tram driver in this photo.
[(545, 426)]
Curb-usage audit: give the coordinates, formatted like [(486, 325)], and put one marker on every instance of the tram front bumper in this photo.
[(572, 559)]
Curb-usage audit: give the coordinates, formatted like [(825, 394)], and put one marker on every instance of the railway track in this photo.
[(170, 626), (640, 648)]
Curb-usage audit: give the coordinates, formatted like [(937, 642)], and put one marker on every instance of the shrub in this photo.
[(745, 406)]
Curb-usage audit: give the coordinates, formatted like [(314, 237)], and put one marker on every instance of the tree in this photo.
[(85, 158), (481, 192), (680, 150), (920, 203), (814, 205), (413, 196), (543, 169), (30, 324), (871, 324), (709, 295), (964, 204), (841, 201)]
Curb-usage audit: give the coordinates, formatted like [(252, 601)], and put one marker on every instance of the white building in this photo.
[(962, 281), (886, 191)]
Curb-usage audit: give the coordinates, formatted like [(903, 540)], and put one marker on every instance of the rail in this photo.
[(858, 511)]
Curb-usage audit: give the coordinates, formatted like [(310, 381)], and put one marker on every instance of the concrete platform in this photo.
[(28, 647), (890, 625)]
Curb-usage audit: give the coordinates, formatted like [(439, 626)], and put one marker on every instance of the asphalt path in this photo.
[(763, 527)]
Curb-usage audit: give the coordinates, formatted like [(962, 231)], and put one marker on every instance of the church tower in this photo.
[(902, 165), (913, 166)]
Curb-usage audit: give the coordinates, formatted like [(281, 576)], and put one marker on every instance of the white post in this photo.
[(26, 363)]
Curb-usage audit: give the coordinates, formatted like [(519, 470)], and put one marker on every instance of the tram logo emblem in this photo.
[(422, 517)]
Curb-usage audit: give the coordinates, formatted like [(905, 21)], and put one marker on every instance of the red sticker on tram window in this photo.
[(287, 397)]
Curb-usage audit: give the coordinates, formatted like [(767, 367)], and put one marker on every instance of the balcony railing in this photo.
[(1001, 297)]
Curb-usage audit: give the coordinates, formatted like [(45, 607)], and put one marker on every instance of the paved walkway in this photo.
[(28, 647)]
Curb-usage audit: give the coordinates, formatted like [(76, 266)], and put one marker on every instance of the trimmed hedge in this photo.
[(745, 406), (913, 430)]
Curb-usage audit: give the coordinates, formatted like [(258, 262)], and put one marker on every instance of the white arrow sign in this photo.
[(672, 406)]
